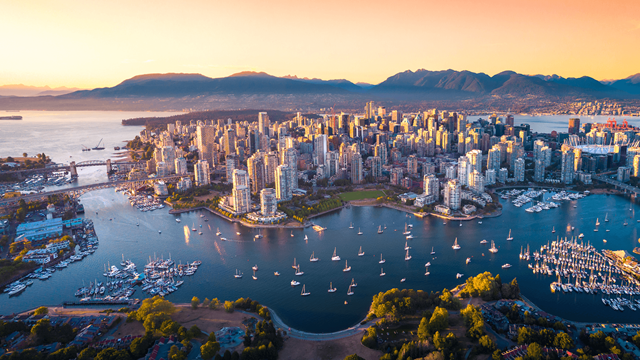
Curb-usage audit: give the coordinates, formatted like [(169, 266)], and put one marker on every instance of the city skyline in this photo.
[(83, 45)]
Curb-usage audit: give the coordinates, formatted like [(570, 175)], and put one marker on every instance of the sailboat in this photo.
[(597, 222), (380, 229), (382, 273), (406, 246), (306, 237), (313, 258), (493, 248), (349, 291), (509, 238), (455, 245), (407, 257), (347, 268), (432, 252), (294, 264), (351, 226), (382, 261), (254, 275), (331, 288), (353, 283), (406, 231), (460, 222), (291, 233), (238, 275), (304, 292), (553, 230), (218, 233), (298, 272), (359, 232), (606, 217), (360, 253), (193, 227), (335, 257)]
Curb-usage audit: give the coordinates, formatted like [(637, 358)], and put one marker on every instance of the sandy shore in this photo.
[(327, 350)]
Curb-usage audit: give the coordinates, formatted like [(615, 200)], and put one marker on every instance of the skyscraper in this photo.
[(181, 166), (241, 194), (332, 163), (464, 168), (574, 126), (231, 162), (376, 167), (319, 149), (290, 158), (432, 186), (412, 165), (493, 159), (566, 174), (538, 172), (476, 182), (255, 165), (518, 171), (270, 164), (229, 141), (475, 159), (381, 151), (263, 123), (452, 194), (268, 202), (283, 179), (201, 171), (356, 169)]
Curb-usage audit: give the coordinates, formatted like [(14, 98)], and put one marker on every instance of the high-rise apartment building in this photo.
[(290, 158), (201, 171), (376, 167), (432, 186), (538, 171), (356, 169), (263, 123), (412, 165), (452, 194), (567, 170), (255, 166), (332, 163), (381, 151), (464, 168), (231, 162), (181, 166), (493, 159), (518, 169), (268, 202), (241, 193), (319, 149), (270, 165), (574, 126), (283, 186), (476, 182)]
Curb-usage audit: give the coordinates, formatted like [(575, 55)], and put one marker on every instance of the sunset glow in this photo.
[(97, 44)]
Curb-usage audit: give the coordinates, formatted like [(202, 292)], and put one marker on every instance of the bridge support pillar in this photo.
[(108, 166), (72, 169)]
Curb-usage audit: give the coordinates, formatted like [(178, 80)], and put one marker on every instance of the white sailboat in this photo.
[(193, 227), (353, 283), (406, 231), (606, 217), (351, 226), (238, 275), (493, 248), (294, 283), (359, 232), (218, 233), (432, 252), (407, 257), (331, 288), (254, 275), (406, 245), (304, 292), (509, 238), (380, 229), (553, 230), (349, 291), (335, 257), (313, 258), (597, 222), (382, 261), (347, 268), (291, 233), (382, 273), (306, 237), (360, 253), (295, 266), (298, 272), (455, 245)]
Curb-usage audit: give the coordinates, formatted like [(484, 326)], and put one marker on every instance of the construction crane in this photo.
[(84, 148), (98, 147)]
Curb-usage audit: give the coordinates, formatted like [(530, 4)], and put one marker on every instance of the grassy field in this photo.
[(359, 195)]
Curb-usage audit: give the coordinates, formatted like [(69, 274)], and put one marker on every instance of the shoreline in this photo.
[(240, 221), (423, 215)]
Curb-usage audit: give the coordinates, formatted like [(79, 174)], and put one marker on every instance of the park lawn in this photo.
[(359, 195)]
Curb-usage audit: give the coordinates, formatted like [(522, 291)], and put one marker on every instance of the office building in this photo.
[(263, 123)]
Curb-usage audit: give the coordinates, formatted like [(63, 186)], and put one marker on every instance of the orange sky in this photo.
[(100, 43)]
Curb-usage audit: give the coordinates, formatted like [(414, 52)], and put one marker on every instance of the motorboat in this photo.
[(178, 220), (483, 242), (506, 266), (347, 268), (276, 273), (313, 258), (455, 245), (294, 283), (409, 236), (304, 292), (331, 288), (458, 275), (403, 280), (468, 261), (382, 273), (382, 261), (335, 257), (360, 253)]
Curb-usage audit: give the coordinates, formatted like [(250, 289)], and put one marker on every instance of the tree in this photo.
[(42, 310), (24, 154), (423, 329), (176, 354), (353, 357), (42, 330), (195, 302), (195, 331), (87, 354), (563, 341), (439, 320), (534, 351), (228, 306), (214, 303), (487, 344), (209, 349)]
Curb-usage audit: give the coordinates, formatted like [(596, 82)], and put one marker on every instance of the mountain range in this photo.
[(446, 84), (25, 90)]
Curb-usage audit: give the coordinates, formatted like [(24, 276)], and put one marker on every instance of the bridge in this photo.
[(79, 190), (617, 184), (93, 163), (71, 167)]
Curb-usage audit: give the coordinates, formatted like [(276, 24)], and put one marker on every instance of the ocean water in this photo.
[(560, 123)]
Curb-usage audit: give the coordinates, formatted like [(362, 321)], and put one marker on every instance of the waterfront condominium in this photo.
[(201, 170), (432, 186), (290, 158), (255, 166), (241, 193), (356, 168), (283, 186), (518, 169), (231, 161), (452, 194), (268, 202)]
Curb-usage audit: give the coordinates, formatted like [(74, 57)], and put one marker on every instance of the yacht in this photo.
[(294, 283), (407, 257), (304, 292), (382, 261), (604, 241), (506, 266), (427, 264), (553, 230), (379, 229), (306, 237), (347, 268), (509, 238), (382, 273), (313, 258), (17, 289), (331, 288), (223, 239), (276, 273), (455, 245), (351, 226), (335, 257), (427, 273), (403, 280), (254, 268), (406, 231), (218, 233), (238, 275), (159, 231), (597, 222), (353, 283), (468, 261), (493, 248), (294, 264), (359, 232), (199, 232), (360, 253), (432, 252), (193, 227), (254, 275), (458, 275), (258, 235), (349, 291), (298, 272), (178, 220), (483, 242), (606, 217), (406, 246), (291, 233), (480, 222), (409, 236)]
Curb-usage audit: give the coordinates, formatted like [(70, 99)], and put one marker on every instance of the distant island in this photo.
[(14, 117)]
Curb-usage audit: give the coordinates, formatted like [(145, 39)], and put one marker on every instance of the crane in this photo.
[(98, 147)]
